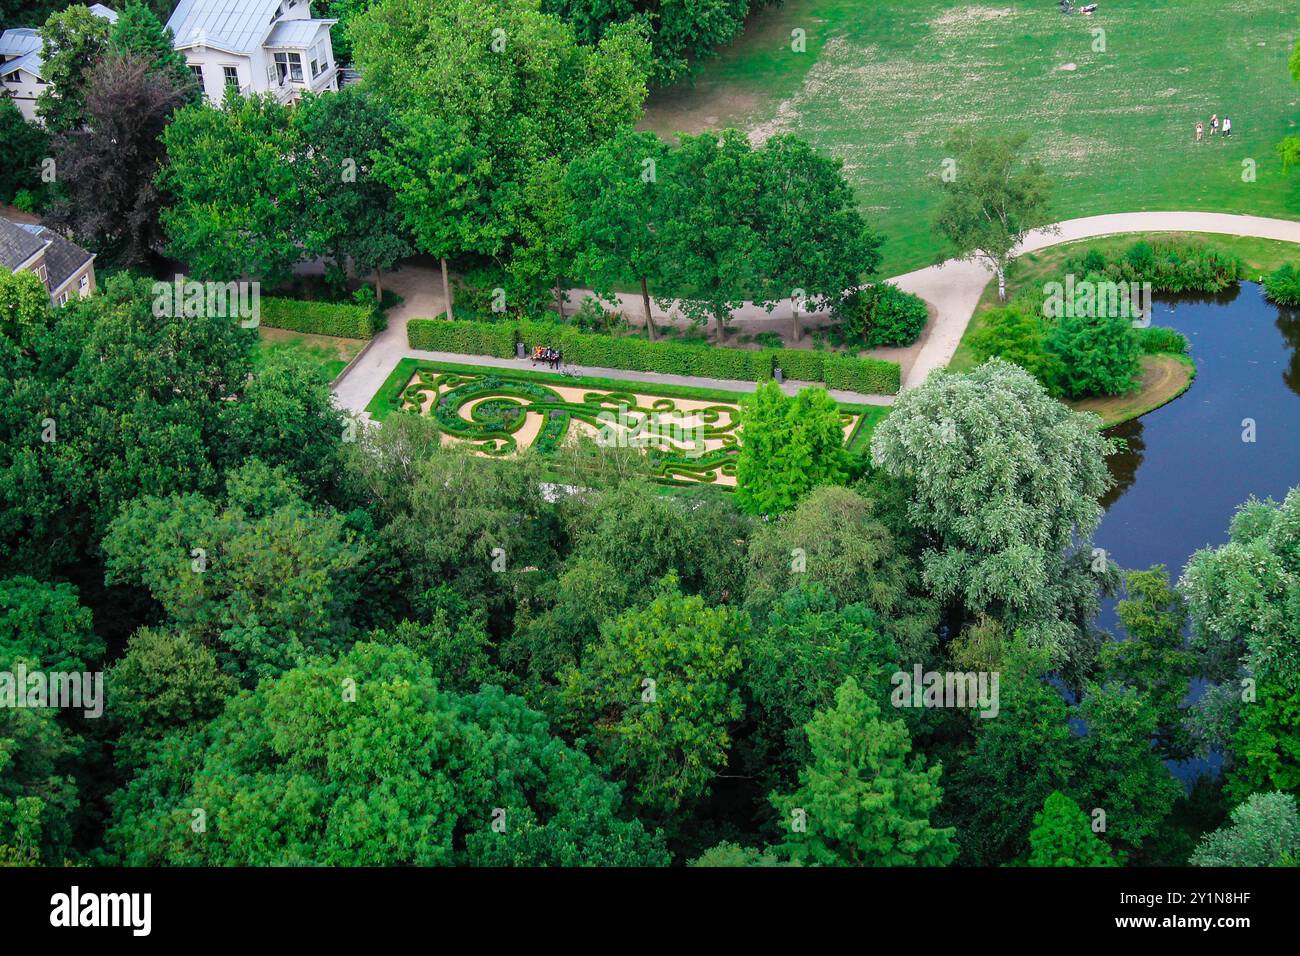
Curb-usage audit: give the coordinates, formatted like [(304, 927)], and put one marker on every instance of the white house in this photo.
[(21, 63), (255, 46)]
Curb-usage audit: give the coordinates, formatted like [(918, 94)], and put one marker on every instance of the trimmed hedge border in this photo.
[(318, 318), (869, 376)]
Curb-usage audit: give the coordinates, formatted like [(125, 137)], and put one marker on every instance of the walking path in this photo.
[(952, 289)]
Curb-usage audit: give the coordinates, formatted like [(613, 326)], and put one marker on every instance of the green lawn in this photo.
[(330, 353), (883, 82)]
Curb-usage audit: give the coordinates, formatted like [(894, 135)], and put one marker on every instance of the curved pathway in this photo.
[(952, 289)]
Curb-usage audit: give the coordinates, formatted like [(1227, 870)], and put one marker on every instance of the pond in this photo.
[(1188, 466)]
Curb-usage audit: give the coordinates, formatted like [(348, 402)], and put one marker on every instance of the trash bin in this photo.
[(778, 375), (520, 351)]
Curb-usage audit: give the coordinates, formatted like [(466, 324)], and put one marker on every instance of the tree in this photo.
[(1289, 148), (264, 578), (107, 166), (860, 801), (654, 699), (712, 227), (1154, 659), (482, 94), (138, 34), (364, 761), (1265, 831), (618, 214), (835, 540), (25, 312), (74, 40), (350, 212), (1016, 333), (46, 625), (167, 682), (818, 247), (1062, 836), (1003, 482), (1098, 355), (26, 144), (788, 446), (237, 203), (993, 198)]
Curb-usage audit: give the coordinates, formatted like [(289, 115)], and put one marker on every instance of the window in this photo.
[(62, 299), (83, 287), (43, 275), (319, 61), (197, 70), (289, 66), (11, 78), (231, 74)]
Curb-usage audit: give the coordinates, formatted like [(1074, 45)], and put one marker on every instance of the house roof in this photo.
[(62, 258), (102, 11), (237, 26), (18, 41), (295, 34), (32, 62), (17, 244)]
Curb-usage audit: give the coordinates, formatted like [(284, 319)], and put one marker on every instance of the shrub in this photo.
[(1099, 354), (1184, 265), (464, 338), (1283, 286), (868, 376), (881, 315), (1017, 333), (799, 364), (1157, 339), (318, 318)]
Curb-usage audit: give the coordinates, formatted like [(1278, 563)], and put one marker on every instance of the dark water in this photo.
[(1187, 468)]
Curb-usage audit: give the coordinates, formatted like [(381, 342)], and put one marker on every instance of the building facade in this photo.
[(64, 267)]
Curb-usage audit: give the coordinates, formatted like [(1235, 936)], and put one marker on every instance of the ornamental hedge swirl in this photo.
[(318, 318), (498, 339)]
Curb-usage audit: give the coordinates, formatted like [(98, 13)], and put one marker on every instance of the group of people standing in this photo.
[(1214, 127)]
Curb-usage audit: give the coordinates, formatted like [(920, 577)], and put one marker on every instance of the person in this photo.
[(559, 359), (1227, 126), (1214, 124), (1200, 130)]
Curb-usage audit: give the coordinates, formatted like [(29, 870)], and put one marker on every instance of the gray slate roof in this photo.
[(234, 25), (62, 258), (17, 244)]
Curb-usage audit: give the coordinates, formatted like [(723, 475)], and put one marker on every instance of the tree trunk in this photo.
[(1002, 284), (379, 285), (717, 319), (559, 301), (446, 287), (795, 331), (649, 319)]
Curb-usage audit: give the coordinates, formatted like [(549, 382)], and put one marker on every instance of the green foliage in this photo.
[(363, 761), (263, 577), (166, 682), (789, 445), (1158, 340), (1265, 831), (1017, 333), (860, 801), (74, 40), (1170, 265), (139, 33), (881, 315), (1062, 836), (45, 625), (1283, 286), (655, 697), (1004, 481), (733, 855), (466, 338), (26, 144), (1098, 355), (1267, 742), (25, 311), (318, 318), (866, 376)]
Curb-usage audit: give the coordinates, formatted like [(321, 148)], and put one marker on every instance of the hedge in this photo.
[(318, 318), (636, 354), (465, 338)]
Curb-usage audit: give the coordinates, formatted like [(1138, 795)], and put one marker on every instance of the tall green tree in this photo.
[(1097, 355), (788, 446), (139, 34), (1003, 482), (656, 697), (1062, 836), (1265, 831), (991, 196), (26, 144), (815, 239), (74, 40), (861, 801)]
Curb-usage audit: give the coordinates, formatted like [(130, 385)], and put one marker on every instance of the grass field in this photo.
[(882, 83), (330, 353)]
